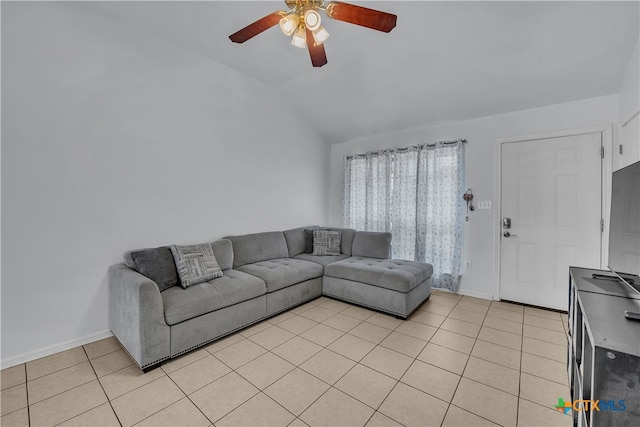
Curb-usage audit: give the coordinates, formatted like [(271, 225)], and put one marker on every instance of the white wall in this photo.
[(629, 117), (481, 134), (113, 139)]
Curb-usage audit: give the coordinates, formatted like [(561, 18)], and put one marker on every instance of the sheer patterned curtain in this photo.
[(440, 211), (404, 197), (424, 206), (367, 189)]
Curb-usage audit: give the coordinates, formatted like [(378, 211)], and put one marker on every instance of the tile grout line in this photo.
[(358, 362), (269, 351), (161, 409), (520, 373), (101, 387), (295, 417), (476, 339), (26, 386), (539, 404), (349, 370), (248, 399), (57, 370), (385, 398), (309, 373), (150, 382), (466, 410), (520, 370), (397, 381), (187, 397), (17, 385), (463, 370)]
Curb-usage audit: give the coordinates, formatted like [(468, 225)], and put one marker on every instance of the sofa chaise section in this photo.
[(369, 278)]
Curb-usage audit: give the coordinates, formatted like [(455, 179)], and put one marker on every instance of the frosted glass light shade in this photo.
[(311, 19), (320, 35), (299, 38), (289, 23)]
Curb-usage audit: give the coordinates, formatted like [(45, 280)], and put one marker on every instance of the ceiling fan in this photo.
[(302, 22)]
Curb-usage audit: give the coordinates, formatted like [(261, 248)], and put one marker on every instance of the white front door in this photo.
[(551, 193)]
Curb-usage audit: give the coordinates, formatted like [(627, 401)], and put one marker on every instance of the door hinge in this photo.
[(601, 225), (602, 152)]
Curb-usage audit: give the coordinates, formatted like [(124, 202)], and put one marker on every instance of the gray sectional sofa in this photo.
[(264, 274)]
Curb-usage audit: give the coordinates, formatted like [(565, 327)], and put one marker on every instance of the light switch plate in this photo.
[(485, 204)]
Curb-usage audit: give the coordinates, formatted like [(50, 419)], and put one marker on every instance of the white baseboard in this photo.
[(469, 293), (53, 349)]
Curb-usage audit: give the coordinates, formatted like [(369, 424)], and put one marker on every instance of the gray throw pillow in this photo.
[(195, 264), (326, 242), (308, 240), (155, 263)]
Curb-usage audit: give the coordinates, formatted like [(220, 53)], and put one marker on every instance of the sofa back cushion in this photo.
[(155, 263), (223, 250), (250, 248), (372, 244), (299, 240)]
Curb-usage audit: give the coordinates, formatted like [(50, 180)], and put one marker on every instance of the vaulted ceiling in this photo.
[(444, 62)]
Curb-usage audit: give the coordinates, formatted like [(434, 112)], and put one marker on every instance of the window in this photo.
[(416, 194)]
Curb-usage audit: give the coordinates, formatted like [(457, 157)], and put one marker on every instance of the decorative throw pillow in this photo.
[(326, 242), (195, 264), (155, 263), (308, 240)]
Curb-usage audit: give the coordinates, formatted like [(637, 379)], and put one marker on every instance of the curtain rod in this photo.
[(432, 144)]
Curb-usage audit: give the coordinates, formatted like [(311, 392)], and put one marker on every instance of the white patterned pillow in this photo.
[(195, 264), (326, 242)]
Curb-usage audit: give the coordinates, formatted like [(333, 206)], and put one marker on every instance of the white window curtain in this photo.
[(423, 208), (366, 205)]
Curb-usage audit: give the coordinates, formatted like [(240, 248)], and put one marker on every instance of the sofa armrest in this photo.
[(372, 244), (136, 316)]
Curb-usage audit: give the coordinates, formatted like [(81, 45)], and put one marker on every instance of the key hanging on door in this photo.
[(468, 197)]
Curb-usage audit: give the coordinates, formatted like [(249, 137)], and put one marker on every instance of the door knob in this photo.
[(507, 234)]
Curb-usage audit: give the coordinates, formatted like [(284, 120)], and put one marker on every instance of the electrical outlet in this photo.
[(467, 265)]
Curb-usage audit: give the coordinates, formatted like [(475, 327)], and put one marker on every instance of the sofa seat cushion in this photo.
[(283, 272), (321, 259), (234, 287), (398, 275)]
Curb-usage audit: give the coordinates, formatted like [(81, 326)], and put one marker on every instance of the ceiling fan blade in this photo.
[(362, 16), (316, 51), (256, 28)]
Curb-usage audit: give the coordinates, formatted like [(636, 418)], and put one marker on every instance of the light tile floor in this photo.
[(457, 361)]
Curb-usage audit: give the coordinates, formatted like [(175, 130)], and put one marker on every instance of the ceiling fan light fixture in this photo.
[(320, 35), (299, 38), (289, 23), (303, 24), (311, 19)]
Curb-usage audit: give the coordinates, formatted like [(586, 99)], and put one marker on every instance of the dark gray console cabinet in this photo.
[(604, 351)]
